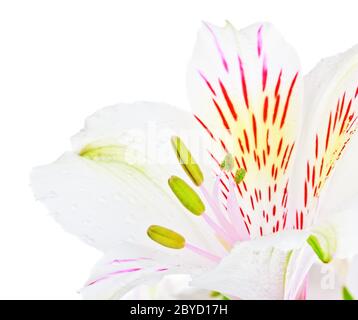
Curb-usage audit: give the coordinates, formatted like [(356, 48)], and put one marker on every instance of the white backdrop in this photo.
[(62, 60)]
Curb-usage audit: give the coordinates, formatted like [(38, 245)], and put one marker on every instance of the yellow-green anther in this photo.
[(228, 163), (186, 195), (166, 237), (323, 255), (187, 161), (240, 175), (347, 295)]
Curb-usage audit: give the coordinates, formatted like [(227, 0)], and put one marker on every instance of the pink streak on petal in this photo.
[(217, 229), (218, 47), (304, 262), (235, 216), (259, 40), (264, 73), (218, 213), (302, 294), (112, 274), (129, 260), (243, 82), (162, 269), (207, 83)]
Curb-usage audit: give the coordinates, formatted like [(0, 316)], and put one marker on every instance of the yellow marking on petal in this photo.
[(186, 195), (166, 237), (287, 262), (113, 154), (107, 153), (186, 160)]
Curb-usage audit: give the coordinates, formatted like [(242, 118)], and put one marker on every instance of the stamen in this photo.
[(191, 201), (187, 162), (186, 195), (228, 163), (240, 175), (219, 214), (217, 229), (234, 215), (202, 252), (166, 237)]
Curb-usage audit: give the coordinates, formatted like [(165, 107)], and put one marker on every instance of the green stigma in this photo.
[(228, 163), (187, 161), (322, 254), (186, 195), (347, 295), (240, 175), (166, 237), (218, 295), (323, 241)]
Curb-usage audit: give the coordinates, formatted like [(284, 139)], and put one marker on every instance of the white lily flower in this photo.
[(267, 198)]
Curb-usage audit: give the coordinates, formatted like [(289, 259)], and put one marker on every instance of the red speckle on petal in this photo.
[(204, 126), (228, 100), (259, 41), (207, 83), (277, 103), (288, 100), (264, 73), (254, 129), (278, 83), (223, 119), (328, 130), (243, 83), (305, 194), (265, 109)]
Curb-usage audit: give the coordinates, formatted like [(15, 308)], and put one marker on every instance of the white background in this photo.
[(62, 60)]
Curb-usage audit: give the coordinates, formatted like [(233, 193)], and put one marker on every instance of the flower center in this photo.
[(228, 225)]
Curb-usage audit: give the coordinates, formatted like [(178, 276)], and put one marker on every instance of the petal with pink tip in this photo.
[(245, 90)]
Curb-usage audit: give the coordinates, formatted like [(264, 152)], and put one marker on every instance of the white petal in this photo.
[(352, 277), (339, 231), (107, 202), (326, 282), (323, 283), (246, 90), (171, 287), (255, 269), (128, 267), (330, 121)]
